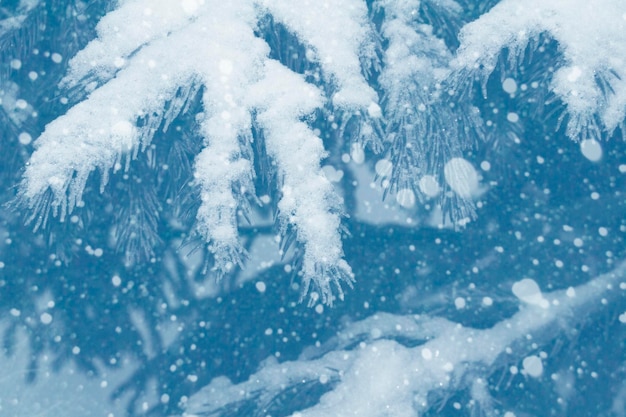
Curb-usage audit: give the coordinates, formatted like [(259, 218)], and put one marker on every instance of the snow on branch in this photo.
[(426, 133), (590, 80), (308, 201), (390, 365), (345, 31), (151, 58)]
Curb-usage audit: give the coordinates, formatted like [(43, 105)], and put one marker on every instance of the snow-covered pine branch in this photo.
[(590, 79), (392, 365), (427, 136), (151, 58)]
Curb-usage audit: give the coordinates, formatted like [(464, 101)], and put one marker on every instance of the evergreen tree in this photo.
[(196, 163)]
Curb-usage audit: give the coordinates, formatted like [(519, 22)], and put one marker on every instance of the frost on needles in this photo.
[(380, 69)]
